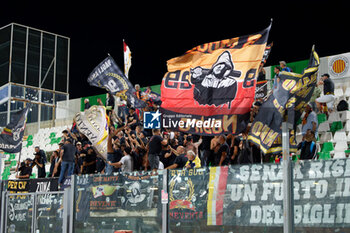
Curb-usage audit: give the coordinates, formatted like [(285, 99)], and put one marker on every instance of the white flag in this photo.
[(93, 123), (127, 59)]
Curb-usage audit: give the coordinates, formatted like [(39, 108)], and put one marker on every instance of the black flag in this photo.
[(287, 102), (11, 136), (107, 75)]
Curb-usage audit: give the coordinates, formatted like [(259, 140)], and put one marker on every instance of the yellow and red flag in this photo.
[(211, 87)]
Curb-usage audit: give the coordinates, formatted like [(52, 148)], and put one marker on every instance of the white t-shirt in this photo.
[(127, 163), (161, 166)]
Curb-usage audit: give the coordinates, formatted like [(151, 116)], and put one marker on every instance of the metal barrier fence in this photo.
[(245, 198)]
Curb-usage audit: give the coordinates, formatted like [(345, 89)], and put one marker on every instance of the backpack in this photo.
[(342, 105), (312, 145)]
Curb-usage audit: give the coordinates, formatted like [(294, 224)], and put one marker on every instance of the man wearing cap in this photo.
[(42, 154), (284, 66), (67, 160), (25, 170), (39, 163), (328, 93)]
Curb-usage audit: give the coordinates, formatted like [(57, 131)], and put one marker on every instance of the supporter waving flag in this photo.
[(108, 75), (287, 102), (213, 83)]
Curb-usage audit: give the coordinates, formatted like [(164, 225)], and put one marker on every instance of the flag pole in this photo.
[(288, 208), (1, 155)]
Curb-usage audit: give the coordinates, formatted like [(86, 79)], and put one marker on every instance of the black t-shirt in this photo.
[(25, 171), (206, 142), (223, 148), (100, 164), (118, 154), (110, 102), (68, 153), (328, 86), (41, 170), (256, 152), (236, 143), (155, 145), (43, 156), (132, 117), (87, 105), (88, 159), (167, 161), (180, 160)]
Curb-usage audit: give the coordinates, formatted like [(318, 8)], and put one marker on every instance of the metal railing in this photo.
[(238, 198)]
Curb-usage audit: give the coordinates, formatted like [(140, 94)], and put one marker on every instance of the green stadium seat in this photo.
[(295, 157), (327, 147), (336, 125), (324, 155), (321, 117)]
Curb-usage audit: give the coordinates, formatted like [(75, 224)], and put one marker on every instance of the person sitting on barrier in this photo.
[(25, 170), (193, 160), (327, 99)]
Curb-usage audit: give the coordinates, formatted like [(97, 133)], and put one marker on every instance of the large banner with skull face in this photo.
[(211, 87)]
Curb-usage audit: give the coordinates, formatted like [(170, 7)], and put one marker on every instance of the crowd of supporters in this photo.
[(130, 147)]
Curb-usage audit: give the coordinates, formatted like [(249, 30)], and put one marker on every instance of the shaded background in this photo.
[(157, 32)]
